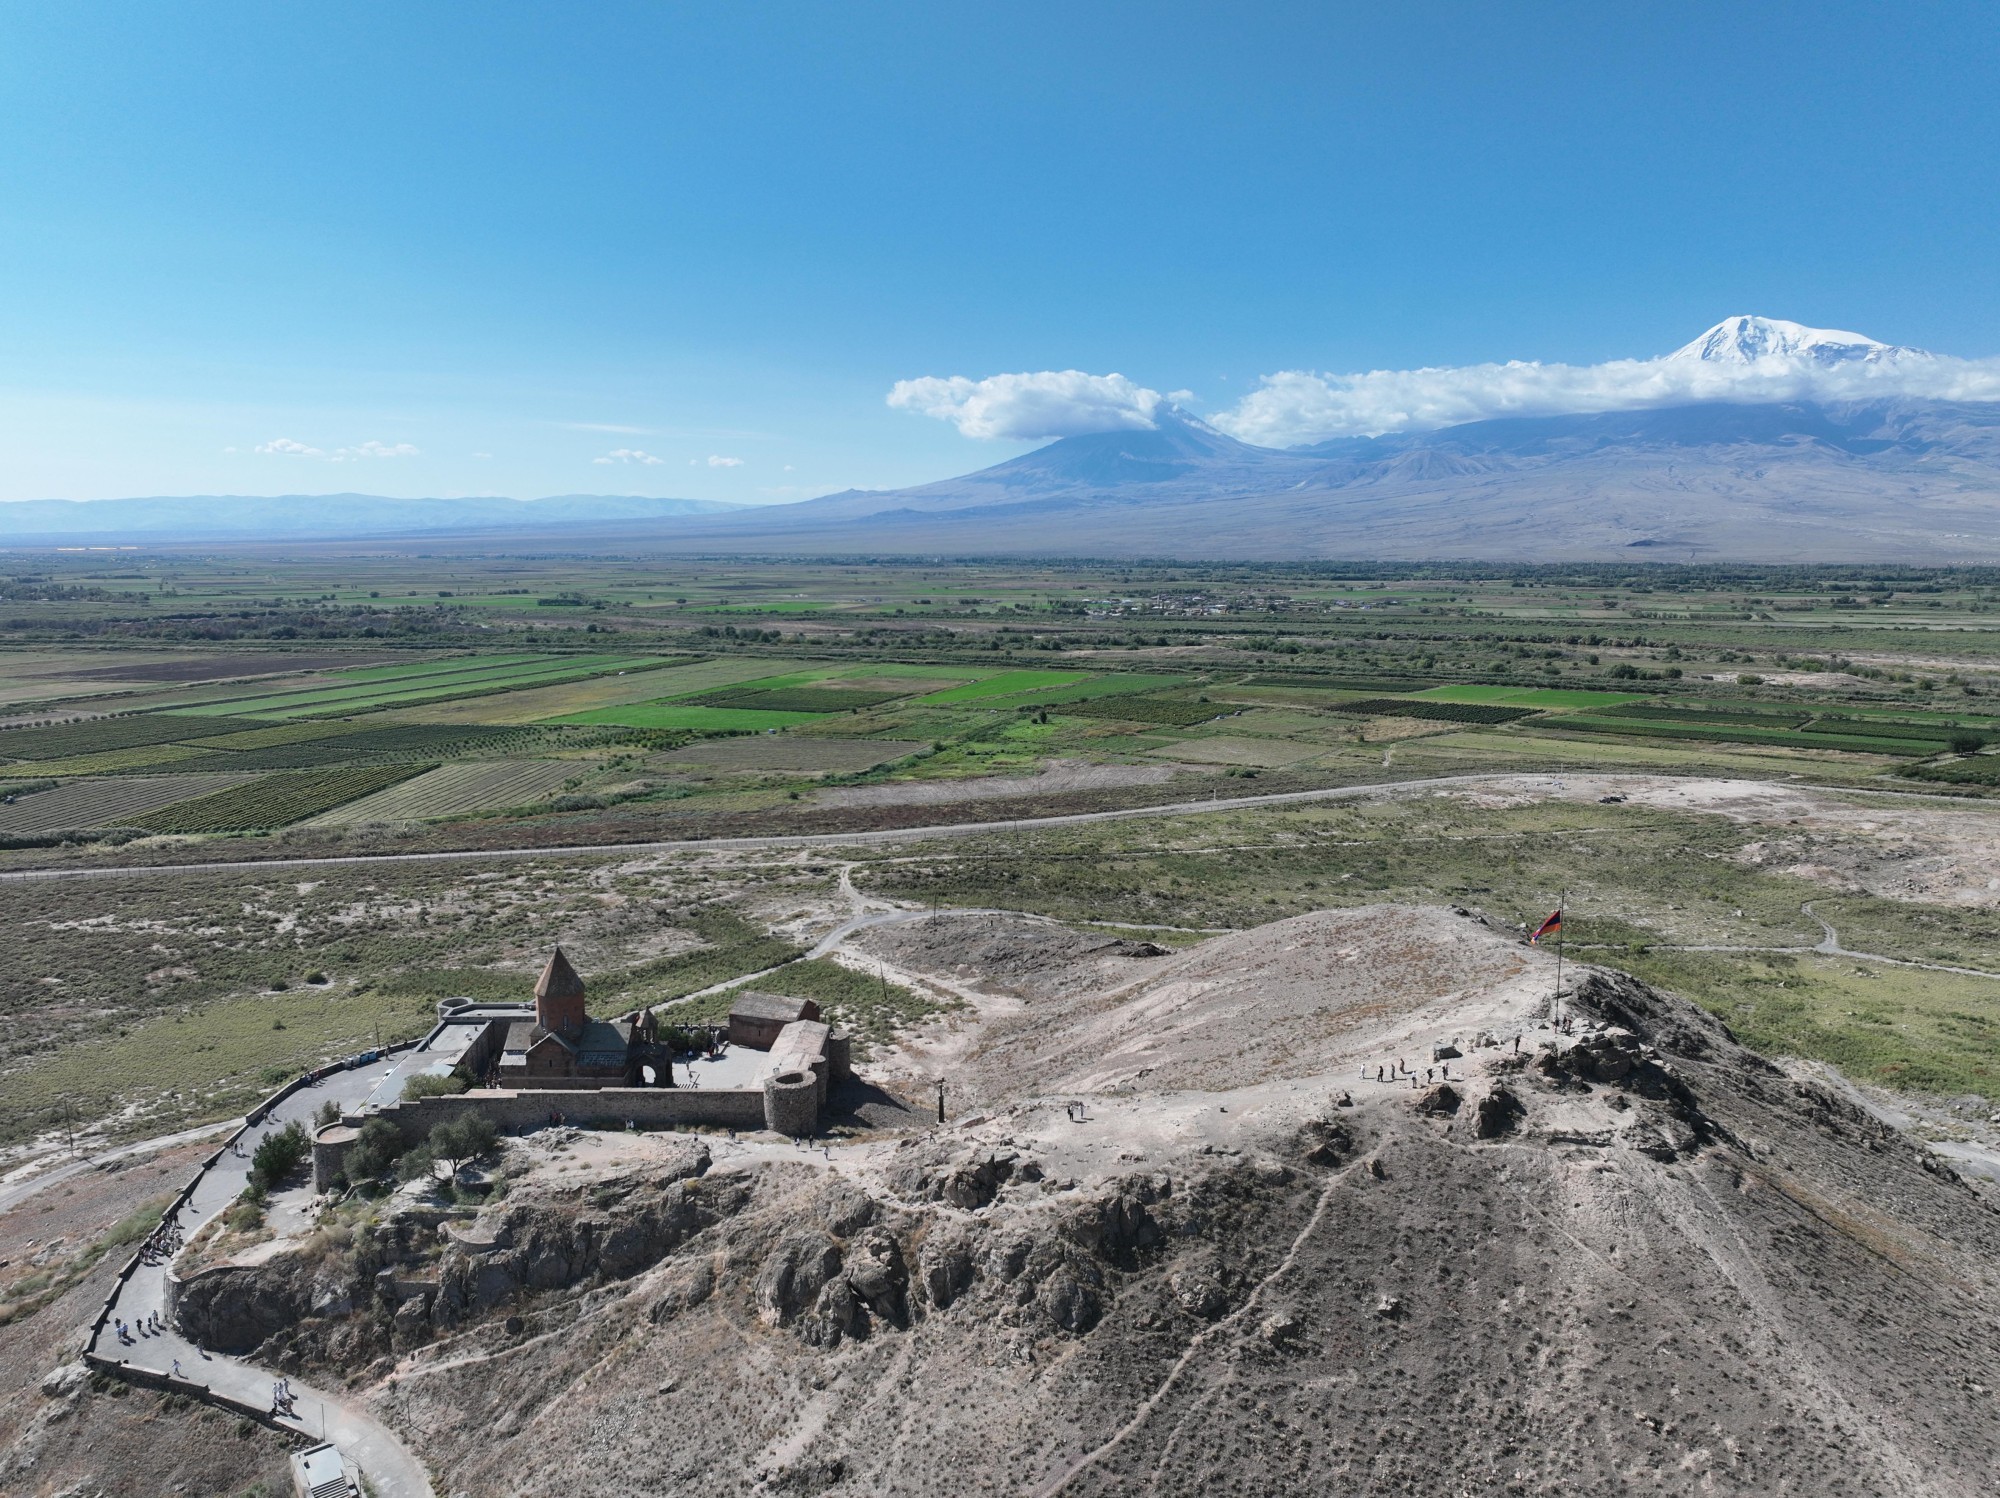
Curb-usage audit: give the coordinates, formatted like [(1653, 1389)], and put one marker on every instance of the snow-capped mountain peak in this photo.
[(1752, 340)]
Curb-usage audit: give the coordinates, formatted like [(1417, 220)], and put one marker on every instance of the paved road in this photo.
[(19, 1184), (322, 1414), (784, 840), (951, 829)]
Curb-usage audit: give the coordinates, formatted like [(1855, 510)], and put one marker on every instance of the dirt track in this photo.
[(1541, 783)]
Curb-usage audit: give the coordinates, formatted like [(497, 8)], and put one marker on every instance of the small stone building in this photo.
[(756, 1019)]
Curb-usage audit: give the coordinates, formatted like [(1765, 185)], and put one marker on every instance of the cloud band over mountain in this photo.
[(1751, 360), (1031, 407), (1300, 406)]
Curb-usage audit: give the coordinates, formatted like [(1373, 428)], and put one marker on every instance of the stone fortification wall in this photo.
[(649, 1107)]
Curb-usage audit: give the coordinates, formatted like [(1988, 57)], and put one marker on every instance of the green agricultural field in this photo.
[(682, 715), (1180, 711), (1084, 691), (100, 735), (107, 802), (432, 686), (1005, 684), (115, 761), (442, 666), (1430, 709), (275, 800), (1535, 697), (275, 736), (460, 789), (1734, 733), (800, 700)]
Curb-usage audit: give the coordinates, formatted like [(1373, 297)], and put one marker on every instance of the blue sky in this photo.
[(476, 248)]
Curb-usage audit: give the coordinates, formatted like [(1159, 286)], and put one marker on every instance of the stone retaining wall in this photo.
[(648, 1107)]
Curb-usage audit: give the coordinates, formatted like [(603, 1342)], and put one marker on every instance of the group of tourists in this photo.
[(164, 1241), (1395, 1071), (282, 1402), (146, 1326)]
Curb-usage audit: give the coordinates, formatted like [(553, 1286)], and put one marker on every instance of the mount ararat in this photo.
[(1869, 465)]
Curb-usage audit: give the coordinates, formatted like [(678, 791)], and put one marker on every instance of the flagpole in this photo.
[(1561, 905)]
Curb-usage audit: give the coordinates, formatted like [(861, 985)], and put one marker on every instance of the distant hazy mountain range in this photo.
[(305, 516), (1890, 479)]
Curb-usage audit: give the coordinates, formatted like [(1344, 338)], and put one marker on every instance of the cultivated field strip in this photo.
[(99, 735), (108, 802), (472, 678), (453, 790), (276, 800)]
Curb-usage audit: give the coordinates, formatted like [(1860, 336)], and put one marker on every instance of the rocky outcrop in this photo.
[(1496, 1113), (968, 1181)]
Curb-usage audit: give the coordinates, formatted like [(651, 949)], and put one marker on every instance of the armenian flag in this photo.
[(1553, 926)]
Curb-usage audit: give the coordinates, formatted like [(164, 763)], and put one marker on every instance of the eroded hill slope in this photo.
[(1630, 1256)]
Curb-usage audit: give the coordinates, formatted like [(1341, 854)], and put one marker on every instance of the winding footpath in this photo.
[(322, 1415)]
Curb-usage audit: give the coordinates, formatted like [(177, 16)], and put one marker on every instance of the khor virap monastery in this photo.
[(530, 1064)]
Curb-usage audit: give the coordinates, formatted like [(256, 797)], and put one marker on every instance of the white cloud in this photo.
[(717, 461), (286, 447), (629, 455), (1031, 407), (1298, 406)]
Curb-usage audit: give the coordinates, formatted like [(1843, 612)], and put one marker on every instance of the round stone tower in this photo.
[(791, 1103), (559, 998)]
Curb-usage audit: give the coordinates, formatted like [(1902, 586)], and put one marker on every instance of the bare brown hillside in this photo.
[(1630, 1257)]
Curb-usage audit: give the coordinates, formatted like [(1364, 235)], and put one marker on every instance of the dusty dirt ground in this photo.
[(1900, 847), (1179, 1238)]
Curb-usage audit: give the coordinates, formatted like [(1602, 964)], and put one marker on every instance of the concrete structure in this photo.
[(319, 1472), (755, 1019)]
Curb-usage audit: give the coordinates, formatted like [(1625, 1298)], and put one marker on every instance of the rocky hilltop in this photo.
[(1188, 1242)]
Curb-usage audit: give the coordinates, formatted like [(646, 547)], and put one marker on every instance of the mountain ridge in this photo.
[(322, 515)]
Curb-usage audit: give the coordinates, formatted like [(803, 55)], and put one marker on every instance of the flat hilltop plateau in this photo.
[(1348, 1202)]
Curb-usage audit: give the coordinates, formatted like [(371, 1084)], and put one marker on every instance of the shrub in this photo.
[(459, 1141), (378, 1148), (450, 1084), (278, 1155), (417, 1164), (1967, 743)]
